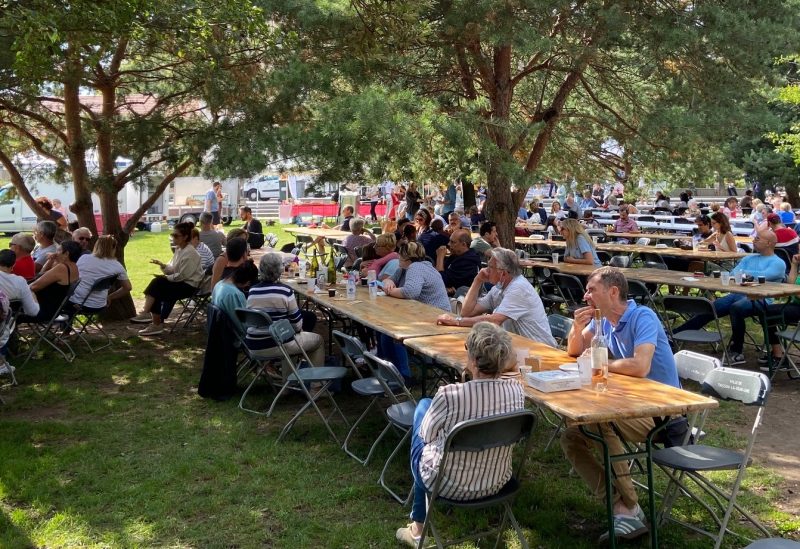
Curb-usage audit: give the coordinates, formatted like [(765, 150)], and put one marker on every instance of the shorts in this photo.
[(215, 218)]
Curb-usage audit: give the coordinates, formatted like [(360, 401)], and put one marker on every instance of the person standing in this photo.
[(374, 195), (449, 200), (213, 202), (413, 201)]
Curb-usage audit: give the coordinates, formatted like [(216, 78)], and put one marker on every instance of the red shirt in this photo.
[(785, 235), (25, 268)]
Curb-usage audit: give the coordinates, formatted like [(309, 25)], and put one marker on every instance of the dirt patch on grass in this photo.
[(777, 446), (36, 415)]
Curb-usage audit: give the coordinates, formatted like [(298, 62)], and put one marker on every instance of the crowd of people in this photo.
[(426, 252)]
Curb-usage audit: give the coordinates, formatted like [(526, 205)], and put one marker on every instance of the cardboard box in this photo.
[(534, 362), (553, 380)]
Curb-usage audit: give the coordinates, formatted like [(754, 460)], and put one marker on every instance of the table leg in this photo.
[(609, 459)]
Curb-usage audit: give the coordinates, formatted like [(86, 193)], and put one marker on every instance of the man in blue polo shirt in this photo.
[(639, 347)]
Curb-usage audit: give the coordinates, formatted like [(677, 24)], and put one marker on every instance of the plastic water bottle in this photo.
[(351, 286), (372, 282), (302, 269)]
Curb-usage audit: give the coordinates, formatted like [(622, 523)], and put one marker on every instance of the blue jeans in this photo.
[(738, 306), (418, 504), (395, 352)]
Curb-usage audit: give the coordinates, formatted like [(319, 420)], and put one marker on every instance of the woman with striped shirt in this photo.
[(477, 475)]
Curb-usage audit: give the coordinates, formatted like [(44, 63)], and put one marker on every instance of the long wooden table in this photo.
[(699, 255), (626, 398), (398, 318), (333, 234), (678, 278), (671, 237)]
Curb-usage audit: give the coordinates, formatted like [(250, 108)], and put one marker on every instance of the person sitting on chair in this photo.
[(44, 234), (356, 239), (22, 245), (228, 295), (639, 348), (487, 238), (277, 300), (206, 255), (14, 286), (255, 233), (764, 263), (180, 279), (462, 265), (512, 301), (101, 263), (489, 355), (52, 286), (214, 239), (234, 256), (83, 236)]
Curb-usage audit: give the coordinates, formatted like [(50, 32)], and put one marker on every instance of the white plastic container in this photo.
[(372, 282)]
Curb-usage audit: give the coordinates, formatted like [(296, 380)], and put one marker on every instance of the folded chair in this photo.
[(682, 463), (498, 433), (50, 331), (7, 327), (304, 380), (399, 415), (85, 317), (560, 326), (571, 290)]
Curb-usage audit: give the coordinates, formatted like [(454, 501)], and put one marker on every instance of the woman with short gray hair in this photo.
[(270, 268), (489, 356), (277, 299), (358, 239)]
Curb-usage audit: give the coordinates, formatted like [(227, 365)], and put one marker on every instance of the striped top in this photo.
[(277, 300), (468, 475)]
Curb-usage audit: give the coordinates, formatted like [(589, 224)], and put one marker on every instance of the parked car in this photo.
[(263, 188)]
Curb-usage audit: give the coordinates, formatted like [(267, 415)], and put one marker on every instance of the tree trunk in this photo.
[(500, 207), (76, 150), (122, 308)]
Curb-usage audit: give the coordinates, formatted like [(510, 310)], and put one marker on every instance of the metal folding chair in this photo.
[(256, 324), (193, 307), (687, 307), (498, 433), (304, 379), (369, 387), (7, 327), (560, 327), (571, 290), (691, 462), (399, 415), (85, 316), (790, 339), (49, 332)]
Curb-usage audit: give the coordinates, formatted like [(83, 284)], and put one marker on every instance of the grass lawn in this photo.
[(117, 450)]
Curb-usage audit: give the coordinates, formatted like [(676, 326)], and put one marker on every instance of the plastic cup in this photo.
[(555, 259), (739, 277), (585, 369), (522, 354), (312, 284), (725, 278)]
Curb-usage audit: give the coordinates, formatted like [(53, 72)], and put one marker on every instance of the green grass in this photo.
[(117, 450)]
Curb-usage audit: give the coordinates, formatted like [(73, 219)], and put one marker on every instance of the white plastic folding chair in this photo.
[(682, 463)]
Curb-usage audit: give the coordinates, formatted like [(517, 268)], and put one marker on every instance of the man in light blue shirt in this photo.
[(639, 348), (212, 202), (765, 263)]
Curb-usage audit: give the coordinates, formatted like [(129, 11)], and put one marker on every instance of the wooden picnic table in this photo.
[(700, 255), (679, 278), (449, 350), (670, 236), (398, 318), (530, 226), (626, 398), (333, 234)]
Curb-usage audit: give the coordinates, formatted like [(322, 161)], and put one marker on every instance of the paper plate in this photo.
[(571, 367)]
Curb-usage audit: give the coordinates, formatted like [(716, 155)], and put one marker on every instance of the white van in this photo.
[(263, 188)]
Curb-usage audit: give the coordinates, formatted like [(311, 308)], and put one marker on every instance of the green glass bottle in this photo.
[(331, 270), (314, 269)]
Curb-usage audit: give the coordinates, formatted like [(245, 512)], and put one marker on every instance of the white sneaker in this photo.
[(153, 329), (6, 369), (142, 318)]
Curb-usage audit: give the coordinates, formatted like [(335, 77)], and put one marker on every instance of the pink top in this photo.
[(628, 226), (379, 263)]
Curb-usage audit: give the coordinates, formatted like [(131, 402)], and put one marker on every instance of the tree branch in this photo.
[(130, 225)]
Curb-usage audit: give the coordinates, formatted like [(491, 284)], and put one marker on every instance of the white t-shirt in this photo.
[(92, 269), (524, 309), (16, 289)]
